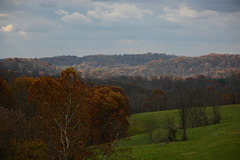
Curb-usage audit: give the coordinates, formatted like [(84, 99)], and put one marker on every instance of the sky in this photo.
[(46, 28)]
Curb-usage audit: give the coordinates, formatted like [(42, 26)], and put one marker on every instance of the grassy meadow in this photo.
[(212, 142)]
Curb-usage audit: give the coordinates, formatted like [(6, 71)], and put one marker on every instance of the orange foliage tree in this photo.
[(109, 102), (64, 109), (76, 116), (111, 107)]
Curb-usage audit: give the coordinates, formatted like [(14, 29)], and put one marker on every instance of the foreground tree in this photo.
[(65, 112), (75, 119)]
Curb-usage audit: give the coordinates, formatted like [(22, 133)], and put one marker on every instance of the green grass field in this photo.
[(213, 142)]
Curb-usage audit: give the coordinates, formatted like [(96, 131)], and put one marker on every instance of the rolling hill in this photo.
[(145, 65), (25, 66), (149, 65)]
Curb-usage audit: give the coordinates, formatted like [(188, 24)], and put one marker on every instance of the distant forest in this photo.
[(105, 60), (145, 65)]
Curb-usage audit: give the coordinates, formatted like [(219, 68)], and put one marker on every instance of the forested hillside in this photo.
[(213, 65), (30, 67), (146, 65)]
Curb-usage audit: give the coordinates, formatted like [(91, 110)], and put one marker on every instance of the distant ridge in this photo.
[(145, 65), (103, 60), (213, 65)]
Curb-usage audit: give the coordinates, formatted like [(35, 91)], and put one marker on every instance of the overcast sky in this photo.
[(43, 28)]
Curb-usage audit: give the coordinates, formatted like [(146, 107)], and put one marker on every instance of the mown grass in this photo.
[(213, 142)]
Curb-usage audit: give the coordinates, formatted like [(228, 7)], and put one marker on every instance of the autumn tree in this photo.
[(74, 116), (20, 92), (64, 108), (6, 97), (13, 126), (110, 123)]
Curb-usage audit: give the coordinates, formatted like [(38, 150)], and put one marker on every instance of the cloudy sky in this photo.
[(41, 28)]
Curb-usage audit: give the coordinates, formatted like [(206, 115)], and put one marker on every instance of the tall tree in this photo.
[(181, 97), (63, 105), (110, 123), (110, 103)]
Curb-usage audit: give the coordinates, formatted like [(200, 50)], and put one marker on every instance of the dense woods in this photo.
[(66, 118), (160, 93)]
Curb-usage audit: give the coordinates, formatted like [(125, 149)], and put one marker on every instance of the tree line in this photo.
[(156, 94)]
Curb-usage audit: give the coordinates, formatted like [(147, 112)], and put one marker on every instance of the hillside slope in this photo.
[(208, 65), (221, 141)]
